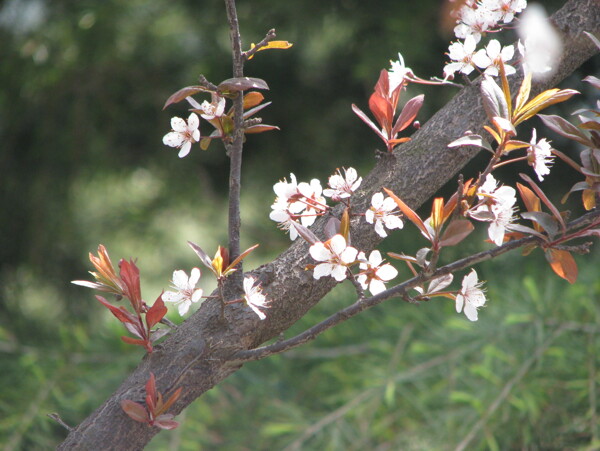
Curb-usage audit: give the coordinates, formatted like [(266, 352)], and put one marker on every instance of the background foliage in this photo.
[(82, 163)]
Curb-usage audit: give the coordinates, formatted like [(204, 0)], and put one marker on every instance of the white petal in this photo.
[(349, 255), (375, 258), (178, 125), (197, 296), (193, 121), (460, 300), (471, 312), (319, 252), (393, 222), (387, 272), (339, 273), (323, 269), (369, 216), (194, 277), (185, 149), (337, 244), (184, 307), (170, 296), (173, 139), (380, 230), (180, 279), (376, 286), (388, 204), (377, 200)]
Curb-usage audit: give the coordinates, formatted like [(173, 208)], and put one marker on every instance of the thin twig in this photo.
[(268, 38), (398, 290), (56, 417), (234, 149)]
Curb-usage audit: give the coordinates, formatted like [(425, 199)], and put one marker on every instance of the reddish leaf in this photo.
[(240, 258), (138, 342), (260, 128), (456, 231), (120, 313), (410, 214), (563, 264), (408, 114), (382, 110), (165, 422), (183, 93), (546, 201), (565, 128), (151, 395), (135, 411), (130, 274), (242, 84), (174, 397), (156, 312), (369, 122), (253, 111)]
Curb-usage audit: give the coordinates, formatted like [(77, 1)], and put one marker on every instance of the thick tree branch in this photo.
[(415, 171)]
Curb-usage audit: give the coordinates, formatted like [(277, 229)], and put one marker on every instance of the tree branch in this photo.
[(234, 150), (414, 172), (398, 290)]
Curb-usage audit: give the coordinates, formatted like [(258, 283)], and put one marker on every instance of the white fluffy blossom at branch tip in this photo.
[(254, 297), (398, 72), (490, 57), (461, 54), (341, 187), (539, 44), (539, 155), (183, 134), (381, 213), (373, 273), (186, 292), (470, 297), (335, 256)]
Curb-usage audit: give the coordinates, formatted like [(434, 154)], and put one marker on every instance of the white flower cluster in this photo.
[(474, 19)]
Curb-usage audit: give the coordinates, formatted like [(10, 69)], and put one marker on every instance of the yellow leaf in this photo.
[(252, 99), (523, 94), (589, 199), (272, 45), (542, 101)]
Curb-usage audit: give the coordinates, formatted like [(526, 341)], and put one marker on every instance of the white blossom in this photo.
[(381, 213), (496, 206), (398, 72), (285, 221), (506, 9), (539, 155), (341, 187), (254, 297), (470, 297), (335, 256), (373, 273), (490, 57), (461, 53), (183, 134), (186, 292)]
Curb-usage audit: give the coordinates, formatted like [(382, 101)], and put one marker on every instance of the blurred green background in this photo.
[(82, 84)]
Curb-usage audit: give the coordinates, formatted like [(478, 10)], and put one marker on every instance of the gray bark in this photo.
[(415, 172)]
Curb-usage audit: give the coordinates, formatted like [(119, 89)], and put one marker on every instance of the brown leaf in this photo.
[(563, 264), (183, 93)]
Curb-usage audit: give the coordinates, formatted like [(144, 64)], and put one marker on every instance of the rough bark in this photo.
[(201, 348)]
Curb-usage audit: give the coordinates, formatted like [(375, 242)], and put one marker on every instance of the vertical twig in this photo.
[(235, 148)]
